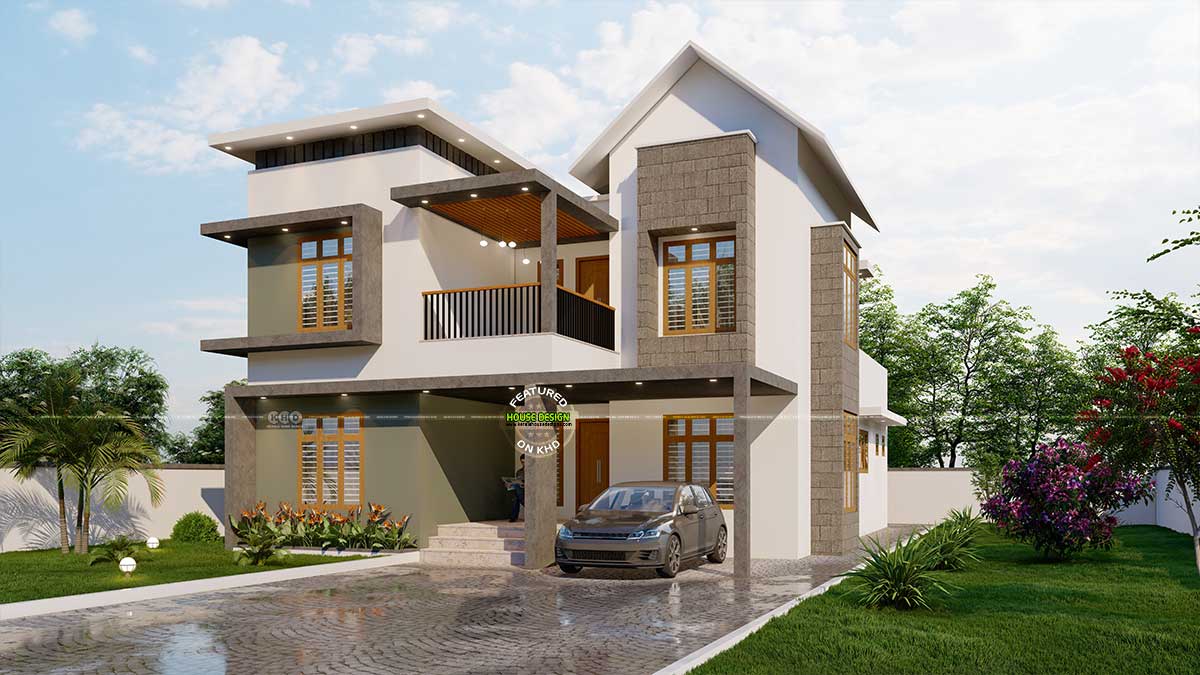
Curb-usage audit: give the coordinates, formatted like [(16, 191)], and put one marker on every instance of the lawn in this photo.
[(30, 575), (1134, 609)]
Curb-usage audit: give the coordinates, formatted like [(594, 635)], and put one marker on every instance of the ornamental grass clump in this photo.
[(900, 577), (1061, 499), (115, 550), (952, 544)]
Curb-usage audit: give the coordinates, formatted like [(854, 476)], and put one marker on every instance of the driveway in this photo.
[(418, 619)]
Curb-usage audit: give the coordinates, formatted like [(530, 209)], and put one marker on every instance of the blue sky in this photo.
[(1044, 144)]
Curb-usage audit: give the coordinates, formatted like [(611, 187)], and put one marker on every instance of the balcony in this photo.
[(514, 309)]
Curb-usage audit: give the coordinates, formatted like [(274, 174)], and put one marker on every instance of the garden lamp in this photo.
[(127, 565), (152, 543)]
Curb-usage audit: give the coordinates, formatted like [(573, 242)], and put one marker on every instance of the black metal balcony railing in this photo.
[(513, 310), (585, 319)]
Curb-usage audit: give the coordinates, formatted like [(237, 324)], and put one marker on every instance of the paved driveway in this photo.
[(417, 619)]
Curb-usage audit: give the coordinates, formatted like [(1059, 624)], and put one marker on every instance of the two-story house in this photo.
[(409, 277)]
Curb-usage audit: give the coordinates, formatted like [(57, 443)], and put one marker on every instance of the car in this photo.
[(652, 524)]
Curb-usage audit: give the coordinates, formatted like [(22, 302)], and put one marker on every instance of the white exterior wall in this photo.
[(925, 496), (873, 485), (29, 511), (421, 252)]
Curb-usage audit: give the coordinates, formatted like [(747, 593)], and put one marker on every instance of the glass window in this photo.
[(699, 449), (330, 461), (702, 497), (699, 286), (849, 466), (652, 499), (326, 284), (850, 308)]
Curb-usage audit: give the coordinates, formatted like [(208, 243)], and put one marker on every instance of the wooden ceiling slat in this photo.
[(511, 218)]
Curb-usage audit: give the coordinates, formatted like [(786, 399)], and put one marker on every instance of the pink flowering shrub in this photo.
[(1061, 499)]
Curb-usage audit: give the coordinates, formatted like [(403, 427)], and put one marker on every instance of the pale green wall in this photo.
[(437, 458), (272, 283)]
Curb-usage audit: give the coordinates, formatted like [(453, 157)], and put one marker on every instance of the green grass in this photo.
[(1134, 609), (31, 575)]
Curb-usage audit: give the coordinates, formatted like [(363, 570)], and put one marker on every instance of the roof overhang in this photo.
[(507, 206), (422, 112), (881, 415), (592, 165)]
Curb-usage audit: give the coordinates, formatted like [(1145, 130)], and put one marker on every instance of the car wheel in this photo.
[(569, 569), (717, 554), (673, 559)]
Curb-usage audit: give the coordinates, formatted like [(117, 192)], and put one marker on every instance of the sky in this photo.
[(1043, 144)]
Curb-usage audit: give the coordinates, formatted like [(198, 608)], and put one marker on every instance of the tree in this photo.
[(886, 336), (1192, 238), (126, 380), (39, 429), (206, 443), (1146, 415), (964, 343), (22, 376)]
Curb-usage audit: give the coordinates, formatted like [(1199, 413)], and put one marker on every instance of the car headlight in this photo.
[(565, 533), (651, 533)]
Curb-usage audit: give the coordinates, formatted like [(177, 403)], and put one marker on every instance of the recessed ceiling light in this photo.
[(524, 189), (473, 195), (345, 222), (420, 116), (512, 244), (262, 398), (424, 201), (227, 236), (524, 261), (345, 395), (353, 126), (462, 140), (483, 242), (512, 388), (638, 383), (570, 385), (712, 379), (229, 147), (495, 161), (290, 138), (695, 229), (284, 229), (424, 391)]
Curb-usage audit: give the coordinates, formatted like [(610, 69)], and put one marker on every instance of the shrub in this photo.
[(899, 577), (257, 544), (117, 548), (195, 527), (328, 529), (951, 544), (1060, 500)]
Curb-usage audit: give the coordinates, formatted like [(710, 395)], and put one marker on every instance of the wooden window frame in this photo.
[(688, 264), (849, 470), (341, 258), (850, 298), (687, 438), (864, 451), (342, 437)]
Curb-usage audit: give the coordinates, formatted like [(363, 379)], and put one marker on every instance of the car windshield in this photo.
[(655, 499)]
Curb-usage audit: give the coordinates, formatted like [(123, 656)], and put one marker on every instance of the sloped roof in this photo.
[(592, 165)]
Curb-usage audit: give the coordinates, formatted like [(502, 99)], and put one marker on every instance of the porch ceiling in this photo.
[(507, 206)]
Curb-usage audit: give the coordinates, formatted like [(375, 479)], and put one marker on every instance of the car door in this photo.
[(709, 523), (688, 524)]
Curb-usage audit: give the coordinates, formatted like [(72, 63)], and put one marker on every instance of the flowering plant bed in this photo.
[(314, 528)]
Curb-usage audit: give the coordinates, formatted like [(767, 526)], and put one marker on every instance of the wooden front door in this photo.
[(591, 277), (591, 460)]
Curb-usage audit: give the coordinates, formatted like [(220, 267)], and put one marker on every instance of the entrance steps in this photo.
[(486, 544)]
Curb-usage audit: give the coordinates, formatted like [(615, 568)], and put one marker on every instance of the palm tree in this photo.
[(114, 450), (40, 433)]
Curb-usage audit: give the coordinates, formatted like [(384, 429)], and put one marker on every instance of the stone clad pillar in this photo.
[(741, 473), (541, 500), (240, 462), (548, 293)]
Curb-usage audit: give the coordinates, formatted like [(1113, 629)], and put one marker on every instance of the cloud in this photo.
[(429, 18), (236, 81), (194, 328), (357, 50), (406, 91), (221, 305), (141, 53), (204, 4), (72, 24)]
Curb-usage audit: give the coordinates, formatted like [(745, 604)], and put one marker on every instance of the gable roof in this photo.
[(592, 165)]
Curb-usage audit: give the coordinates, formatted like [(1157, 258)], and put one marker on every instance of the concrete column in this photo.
[(548, 293), (741, 473), (240, 462), (541, 509)]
